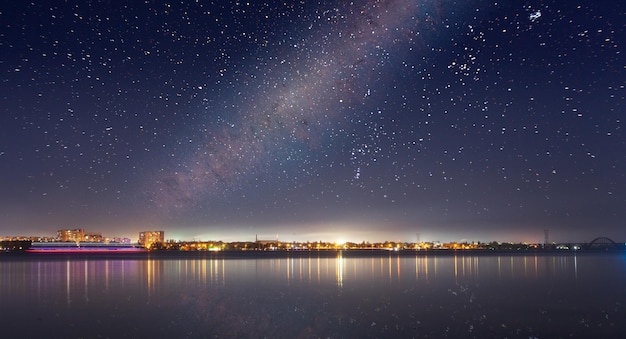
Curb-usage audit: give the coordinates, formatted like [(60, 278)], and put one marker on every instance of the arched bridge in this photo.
[(603, 243)]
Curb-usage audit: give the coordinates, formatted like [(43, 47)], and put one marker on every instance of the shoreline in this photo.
[(297, 254)]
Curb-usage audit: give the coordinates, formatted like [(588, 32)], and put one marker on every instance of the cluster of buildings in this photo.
[(146, 238), (276, 245), (155, 240)]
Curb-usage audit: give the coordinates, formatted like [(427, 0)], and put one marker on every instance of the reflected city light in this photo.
[(83, 279), (340, 269), (68, 284)]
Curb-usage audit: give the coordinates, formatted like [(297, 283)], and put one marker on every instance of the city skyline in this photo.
[(315, 121), (82, 235)]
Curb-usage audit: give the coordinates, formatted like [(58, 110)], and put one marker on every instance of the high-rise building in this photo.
[(147, 238), (75, 235)]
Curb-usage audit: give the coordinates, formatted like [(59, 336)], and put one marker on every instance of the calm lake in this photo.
[(314, 294)]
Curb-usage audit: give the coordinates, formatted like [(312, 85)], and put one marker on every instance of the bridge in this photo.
[(605, 244), (597, 244)]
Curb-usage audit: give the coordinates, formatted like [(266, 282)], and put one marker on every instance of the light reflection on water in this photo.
[(156, 274), (308, 295)]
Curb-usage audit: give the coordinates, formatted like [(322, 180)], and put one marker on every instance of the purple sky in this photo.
[(325, 121)]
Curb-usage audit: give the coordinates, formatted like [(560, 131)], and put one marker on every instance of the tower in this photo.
[(547, 237)]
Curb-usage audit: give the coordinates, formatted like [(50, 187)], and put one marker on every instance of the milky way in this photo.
[(314, 120), (302, 93)]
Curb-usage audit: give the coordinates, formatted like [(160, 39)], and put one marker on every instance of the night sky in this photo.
[(335, 121)]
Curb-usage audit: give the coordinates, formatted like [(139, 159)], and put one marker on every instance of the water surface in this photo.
[(316, 294)]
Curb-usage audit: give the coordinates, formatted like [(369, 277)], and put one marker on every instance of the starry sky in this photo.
[(335, 121)]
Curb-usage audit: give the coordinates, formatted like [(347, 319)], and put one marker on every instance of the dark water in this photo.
[(311, 295)]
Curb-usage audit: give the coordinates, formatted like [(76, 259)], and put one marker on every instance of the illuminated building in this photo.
[(147, 238), (266, 244), (93, 237), (75, 235)]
